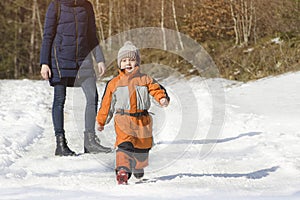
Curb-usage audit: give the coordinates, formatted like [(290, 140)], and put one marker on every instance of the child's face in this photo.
[(128, 64)]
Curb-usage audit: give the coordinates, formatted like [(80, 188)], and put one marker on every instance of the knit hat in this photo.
[(128, 51)]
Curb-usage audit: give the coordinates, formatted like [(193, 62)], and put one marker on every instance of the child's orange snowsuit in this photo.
[(128, 95)]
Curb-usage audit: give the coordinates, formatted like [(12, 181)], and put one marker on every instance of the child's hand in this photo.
[(164, 102), (100, 128)]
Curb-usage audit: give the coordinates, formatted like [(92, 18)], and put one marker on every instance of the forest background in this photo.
[(247, 39)]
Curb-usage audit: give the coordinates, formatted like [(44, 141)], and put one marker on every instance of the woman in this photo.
[(68, 45)]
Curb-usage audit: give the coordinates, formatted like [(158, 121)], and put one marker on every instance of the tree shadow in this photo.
[(252, 175), (209, 141)]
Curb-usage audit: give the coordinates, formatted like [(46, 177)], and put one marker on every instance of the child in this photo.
[(128, 95)]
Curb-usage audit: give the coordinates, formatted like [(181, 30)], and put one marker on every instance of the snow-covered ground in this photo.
[(243, 144)]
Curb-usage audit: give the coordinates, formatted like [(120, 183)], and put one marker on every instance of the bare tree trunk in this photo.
[(235, 26), (118, 17), (249, 15), (16, 63), (16, 48), (99, 14), (254, 24), (162, 25), (32, 39), (176, 25), (128, 22), (39, 21), (110, 18), (298, 6), (139, 13)]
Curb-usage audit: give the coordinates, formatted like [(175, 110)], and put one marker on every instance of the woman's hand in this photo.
[(45, 72), (101, 68)]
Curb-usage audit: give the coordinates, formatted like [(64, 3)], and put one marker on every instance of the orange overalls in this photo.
[(128, 95)]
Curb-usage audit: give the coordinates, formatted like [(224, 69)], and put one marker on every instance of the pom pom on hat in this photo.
[(128, 51)]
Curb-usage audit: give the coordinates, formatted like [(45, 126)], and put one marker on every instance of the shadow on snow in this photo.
[(209, 141), (252, 175)]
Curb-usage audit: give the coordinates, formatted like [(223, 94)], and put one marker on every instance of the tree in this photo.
[(162, 24), (32, 55), (243, 15), (238, 22), (176, 24)]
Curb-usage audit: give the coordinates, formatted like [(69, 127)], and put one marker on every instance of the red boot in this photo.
[(122, 177)]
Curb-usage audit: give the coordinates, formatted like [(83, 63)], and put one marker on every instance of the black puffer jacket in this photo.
[(69, 38)]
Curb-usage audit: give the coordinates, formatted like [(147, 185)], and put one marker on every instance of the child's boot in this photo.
[(122, 177), (138, 173)]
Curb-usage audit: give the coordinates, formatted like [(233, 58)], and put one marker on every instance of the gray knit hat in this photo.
[(128, 51)]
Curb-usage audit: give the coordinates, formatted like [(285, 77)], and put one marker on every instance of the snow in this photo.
[(240, 141), (276, 40)]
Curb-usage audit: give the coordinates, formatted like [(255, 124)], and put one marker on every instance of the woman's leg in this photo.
[(58, 109), (90, 90), (91, 141), (62, 148)]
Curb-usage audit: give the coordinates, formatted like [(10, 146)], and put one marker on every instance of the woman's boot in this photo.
[(92, 144), (62, 148)]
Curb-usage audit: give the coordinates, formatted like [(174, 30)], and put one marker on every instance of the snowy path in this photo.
[(255, 156)]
